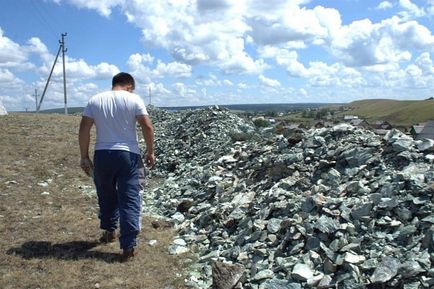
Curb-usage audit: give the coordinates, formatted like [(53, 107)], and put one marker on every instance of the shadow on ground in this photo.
[(74, 250)]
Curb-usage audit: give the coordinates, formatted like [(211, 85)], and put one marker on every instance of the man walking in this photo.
[(118, 170)]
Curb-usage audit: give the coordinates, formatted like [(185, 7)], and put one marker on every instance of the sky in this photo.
[(206, 52)]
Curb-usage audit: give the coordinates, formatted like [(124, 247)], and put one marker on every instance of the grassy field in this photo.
[(404, 112), (48, 219)]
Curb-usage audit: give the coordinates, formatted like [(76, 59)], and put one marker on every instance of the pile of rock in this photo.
[(339, 207)]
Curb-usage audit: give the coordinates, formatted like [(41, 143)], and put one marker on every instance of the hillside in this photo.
[(398, 112)]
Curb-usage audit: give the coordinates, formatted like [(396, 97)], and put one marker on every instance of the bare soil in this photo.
[(49, 225)]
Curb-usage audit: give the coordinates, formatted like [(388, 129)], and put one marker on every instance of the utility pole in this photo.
[(150, 95), (48, 80), (36, 98), (62, 44), (63, 49)]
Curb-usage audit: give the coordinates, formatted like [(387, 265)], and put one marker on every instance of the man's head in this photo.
[(123, 81)]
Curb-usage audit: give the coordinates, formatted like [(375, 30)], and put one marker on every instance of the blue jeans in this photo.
[(118, 177)]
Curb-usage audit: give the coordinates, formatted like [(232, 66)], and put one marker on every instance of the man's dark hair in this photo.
[(123, 79)]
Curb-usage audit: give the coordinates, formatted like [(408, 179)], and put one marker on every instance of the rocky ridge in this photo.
[(338, 207)]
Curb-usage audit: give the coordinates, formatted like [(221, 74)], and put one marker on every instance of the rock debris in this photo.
[(337, 207)]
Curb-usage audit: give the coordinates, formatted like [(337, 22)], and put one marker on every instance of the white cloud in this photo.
[(335, 75), (11, 53), (174, 69), (269, 82), (36, 46), (105, 70), (227, 82), (137, 65), (425, 63), (430, 8), (6, 76), (184, 92), (410, 35), (103, 7), (384, 5), (243, 64), (147, 58), (193, 32), (80, 70), (76, 69), (180, 88), (363, 43), (289, 60), (242, 85), (212, 5), (411, 10), (159, 88), (204, 92), (213, 80), (292, 24)]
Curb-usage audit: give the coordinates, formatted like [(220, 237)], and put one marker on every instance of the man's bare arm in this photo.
[(148, 134), (84, 141)]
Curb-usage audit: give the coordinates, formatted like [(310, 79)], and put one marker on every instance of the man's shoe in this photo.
[(128, 254), (108, 237)]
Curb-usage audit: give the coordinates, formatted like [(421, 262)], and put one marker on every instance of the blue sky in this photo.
[(203, 52)]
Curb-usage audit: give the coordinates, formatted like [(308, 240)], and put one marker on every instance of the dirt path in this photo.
[(48, 224)]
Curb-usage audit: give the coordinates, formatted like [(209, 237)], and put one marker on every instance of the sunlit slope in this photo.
[(399, 112)]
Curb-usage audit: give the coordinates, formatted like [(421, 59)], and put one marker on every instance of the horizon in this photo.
[(239, 104)]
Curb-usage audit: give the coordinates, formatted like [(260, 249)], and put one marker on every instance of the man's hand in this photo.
[(148, 134), (150, 160), (87, 166)]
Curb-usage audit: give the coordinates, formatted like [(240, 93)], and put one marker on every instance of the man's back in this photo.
[(114, 113)]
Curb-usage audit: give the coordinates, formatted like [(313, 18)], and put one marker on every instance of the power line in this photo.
[(43, 18)]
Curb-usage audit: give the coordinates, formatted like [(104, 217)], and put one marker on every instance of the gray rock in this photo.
[(302, 272), (386, 270), (327, 225), (279, 284), (402, 144), (353, 258), (361, 211), (177, 249), (410, 269), (225, 275), (326, 281), (264, 274), (413, 285), (273, 225), (425, 144)]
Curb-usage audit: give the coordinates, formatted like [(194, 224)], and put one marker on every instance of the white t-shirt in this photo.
[(114, 113)]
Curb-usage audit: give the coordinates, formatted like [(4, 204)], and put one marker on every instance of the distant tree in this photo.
[(322, 113), (308, 113), (259, 122), (271, 113)]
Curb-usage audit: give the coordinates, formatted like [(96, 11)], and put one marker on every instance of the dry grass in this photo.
[(398, 112), (49, 232)]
